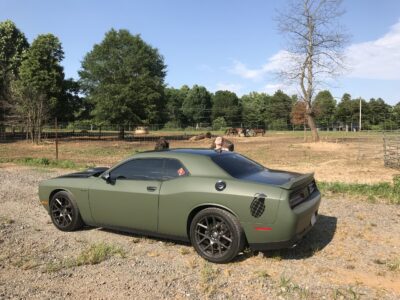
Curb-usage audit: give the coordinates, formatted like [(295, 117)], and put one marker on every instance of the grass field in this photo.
[(348, 157)]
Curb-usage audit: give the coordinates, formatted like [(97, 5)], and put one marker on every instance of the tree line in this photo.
[(122, 82)]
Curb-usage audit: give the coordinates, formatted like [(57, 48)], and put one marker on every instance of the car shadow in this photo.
[(149, 237), (317, 239)]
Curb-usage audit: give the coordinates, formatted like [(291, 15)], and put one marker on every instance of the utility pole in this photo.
[(359, 126)]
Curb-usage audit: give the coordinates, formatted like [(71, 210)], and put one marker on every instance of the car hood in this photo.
[(274, 177), (85, 174)]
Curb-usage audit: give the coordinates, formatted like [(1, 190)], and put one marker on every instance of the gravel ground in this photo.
[(353, 252)]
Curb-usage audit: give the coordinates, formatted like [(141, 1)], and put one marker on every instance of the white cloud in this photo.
[(275, 63), (377, 59), (233, 87)]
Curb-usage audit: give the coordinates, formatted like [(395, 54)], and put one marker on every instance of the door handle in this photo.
[(151, 188)]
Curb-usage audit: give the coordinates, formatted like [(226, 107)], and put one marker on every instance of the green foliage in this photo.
[(13, 44), (40, 84), (324, 107), (371, 192), (174, 100), (197, 105), (97, 253), (70, 105), (226, 104), (123, 77), (41, 162), (277, 111), (253, 108), (219, 123)]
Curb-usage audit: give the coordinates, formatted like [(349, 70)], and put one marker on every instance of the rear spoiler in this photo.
[(298, 181)]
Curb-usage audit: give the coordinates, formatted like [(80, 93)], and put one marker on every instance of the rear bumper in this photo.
[(282, 244)]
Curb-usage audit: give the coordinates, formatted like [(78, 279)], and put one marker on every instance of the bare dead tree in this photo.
[(315, 47)]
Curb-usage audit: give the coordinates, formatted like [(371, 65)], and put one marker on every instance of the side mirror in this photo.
[(109, 178)]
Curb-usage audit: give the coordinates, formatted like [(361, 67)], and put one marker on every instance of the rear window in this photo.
[(237, 165)]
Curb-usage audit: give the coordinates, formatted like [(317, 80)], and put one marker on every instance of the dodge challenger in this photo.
[(219, 201)]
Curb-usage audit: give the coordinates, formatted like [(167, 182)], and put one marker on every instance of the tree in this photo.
[(226, 104), (315, 47), (298, 115), (70, 104), (379, 111), (173, 108), (123, 77), (324, 108), (197, 105), (40, 84), (13, 44), (253, 109), (277, 111)]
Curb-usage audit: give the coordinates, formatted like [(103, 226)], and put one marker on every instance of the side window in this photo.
[(140, 169), (173, 168)]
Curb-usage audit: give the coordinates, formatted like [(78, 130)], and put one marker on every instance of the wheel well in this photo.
[(54, 192), (198, 209)]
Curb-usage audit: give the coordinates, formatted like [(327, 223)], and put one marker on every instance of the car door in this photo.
[(129, 200)]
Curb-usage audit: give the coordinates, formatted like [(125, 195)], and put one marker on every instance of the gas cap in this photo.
[(220, 185)]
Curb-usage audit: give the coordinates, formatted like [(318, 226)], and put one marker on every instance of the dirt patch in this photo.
[(347, 255)]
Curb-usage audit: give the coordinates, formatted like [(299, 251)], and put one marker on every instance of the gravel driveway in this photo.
[(353, 252)]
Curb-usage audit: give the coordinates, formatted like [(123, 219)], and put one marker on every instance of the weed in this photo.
[(41, 162), (393, 265), (384, 190), (263, 274), (97, 253), (207, 275), (287, 287), (184, 251), (348, 293)]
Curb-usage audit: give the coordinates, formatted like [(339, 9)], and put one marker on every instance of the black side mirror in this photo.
[(109, 178)]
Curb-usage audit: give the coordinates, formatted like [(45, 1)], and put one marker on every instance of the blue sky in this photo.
[(220, 44)]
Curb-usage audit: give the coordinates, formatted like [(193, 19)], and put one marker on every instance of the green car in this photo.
[(219, 201)]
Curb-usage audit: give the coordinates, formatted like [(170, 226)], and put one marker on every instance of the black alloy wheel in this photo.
[(64, 212), (216, 235)]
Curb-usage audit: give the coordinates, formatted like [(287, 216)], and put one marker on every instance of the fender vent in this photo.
[(257, 206)]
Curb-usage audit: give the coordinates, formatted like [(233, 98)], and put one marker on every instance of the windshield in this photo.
[(237, 165)]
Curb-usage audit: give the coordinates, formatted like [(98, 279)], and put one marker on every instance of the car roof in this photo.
[(194, 151), (197, 160)]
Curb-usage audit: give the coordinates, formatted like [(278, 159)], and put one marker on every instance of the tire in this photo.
[(64, 212), (216, 235)]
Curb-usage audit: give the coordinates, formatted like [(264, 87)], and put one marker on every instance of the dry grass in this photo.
[(337, 158)]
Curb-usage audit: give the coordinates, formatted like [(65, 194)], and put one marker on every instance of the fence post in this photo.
[(56, 129)]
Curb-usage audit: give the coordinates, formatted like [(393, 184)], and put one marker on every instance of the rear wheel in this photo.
[(216, 235), (64, 212)]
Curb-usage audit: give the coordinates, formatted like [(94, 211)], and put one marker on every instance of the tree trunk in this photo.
[(121, 134), (313, 128)]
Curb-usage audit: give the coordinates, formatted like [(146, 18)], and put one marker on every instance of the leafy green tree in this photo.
[(378, 111), (197, 105), (123, 77), (226, 104), (13, 44), (70, 105), (277, 111), (253, 109), (40, 84), (174, 99), (324, 108), (219, 123)]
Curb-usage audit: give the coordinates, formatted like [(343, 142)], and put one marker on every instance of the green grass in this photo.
[(93, 255), (43, 162), (97, 253), (390, 193)]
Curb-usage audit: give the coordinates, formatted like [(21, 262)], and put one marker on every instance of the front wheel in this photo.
[(216, 235), (64, 212)]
